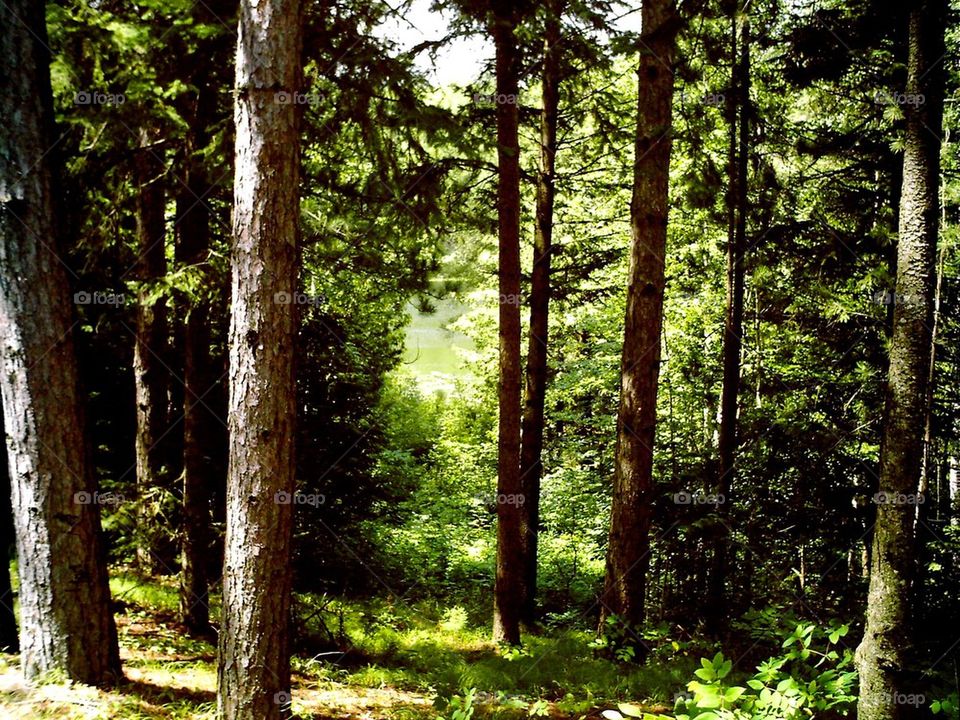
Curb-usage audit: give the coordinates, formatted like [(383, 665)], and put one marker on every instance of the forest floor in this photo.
[(401, 665)]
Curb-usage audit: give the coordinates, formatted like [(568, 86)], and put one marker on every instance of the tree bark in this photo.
[(510, 566), (202, 436), (733, 321), (531, 435), (151, 360), (254, 662), (884, 651), (633, 491), (9, 642), (200, 423), (65, 618)]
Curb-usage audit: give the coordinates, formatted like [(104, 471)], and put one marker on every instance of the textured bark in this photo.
[(9, 642), (201, 426), (510, 566), (531, 435), (254, 662), (884, 651), (633, 492), (151, 359), (65, 618), (728, 440)]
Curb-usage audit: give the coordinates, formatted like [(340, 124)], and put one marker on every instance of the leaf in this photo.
[(755, 684), (732, 694), (612, 715), (630, 710)]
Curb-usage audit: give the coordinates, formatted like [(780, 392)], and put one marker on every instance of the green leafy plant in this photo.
[(461, 707), (811, 676)]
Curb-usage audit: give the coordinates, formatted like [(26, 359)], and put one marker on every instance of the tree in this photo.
[(884, 652), (531, 435), (151, 369), (508, 595), (254, 643), (739, 133), (633, 490), (65, 618), (9, 641), (202, 426)]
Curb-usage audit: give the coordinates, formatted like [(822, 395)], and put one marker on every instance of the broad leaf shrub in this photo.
[(812, 676)]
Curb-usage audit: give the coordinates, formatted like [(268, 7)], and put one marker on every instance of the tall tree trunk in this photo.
[(9, 642), (510, 566), (633, 492), (254, 663), (531, 436), (733, 321), (65, 618), (882, 656), (151, 360), (203, 437), (200, 423)]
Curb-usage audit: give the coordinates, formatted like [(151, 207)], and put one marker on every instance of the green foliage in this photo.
[(811, 676)]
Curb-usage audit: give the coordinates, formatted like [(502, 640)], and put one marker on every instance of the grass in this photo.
[(402, 663)]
